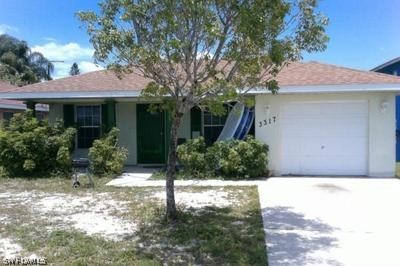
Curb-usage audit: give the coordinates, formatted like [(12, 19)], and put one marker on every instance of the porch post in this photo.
[(31, 106)]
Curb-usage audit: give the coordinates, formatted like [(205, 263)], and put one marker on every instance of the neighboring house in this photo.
[(326, 120), (392, 67), (9, 107)]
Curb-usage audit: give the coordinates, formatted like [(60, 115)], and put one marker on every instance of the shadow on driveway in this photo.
[(292, 238)]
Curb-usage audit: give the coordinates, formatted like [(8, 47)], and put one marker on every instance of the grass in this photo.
[(210, 236)]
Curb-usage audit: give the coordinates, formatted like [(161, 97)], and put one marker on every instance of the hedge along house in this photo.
[(325, 120)]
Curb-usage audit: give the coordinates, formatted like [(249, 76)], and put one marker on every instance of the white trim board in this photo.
[(70, 95), (395, 87), (19, 107)]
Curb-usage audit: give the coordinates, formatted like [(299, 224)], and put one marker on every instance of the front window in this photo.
[(7, 116), (213, 125), (88, 121), (40, 116)]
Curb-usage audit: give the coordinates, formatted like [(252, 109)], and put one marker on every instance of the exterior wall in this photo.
[(184, 130), (394, 69), (125, 113), (55, 112), (8, 110), (381, 158), (16, 111)]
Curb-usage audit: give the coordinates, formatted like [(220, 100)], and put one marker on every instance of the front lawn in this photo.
[(124, 226)]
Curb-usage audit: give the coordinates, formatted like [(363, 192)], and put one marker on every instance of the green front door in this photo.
[(150, 135)]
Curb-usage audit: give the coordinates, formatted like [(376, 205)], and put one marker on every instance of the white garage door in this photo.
[(327, 138)]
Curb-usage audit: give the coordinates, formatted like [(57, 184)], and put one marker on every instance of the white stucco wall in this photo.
[(381, 156)]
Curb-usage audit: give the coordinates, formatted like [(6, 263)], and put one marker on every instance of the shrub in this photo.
[(228, 159), (192, 157), (29, 147), (106, 158)]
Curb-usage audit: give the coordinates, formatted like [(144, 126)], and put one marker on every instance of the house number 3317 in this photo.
[(267, 121)]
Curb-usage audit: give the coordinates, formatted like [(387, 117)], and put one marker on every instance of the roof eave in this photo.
[(69, 95), (335, 88), (295, 89)]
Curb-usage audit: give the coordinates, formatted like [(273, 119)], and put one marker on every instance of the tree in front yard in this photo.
[(202, 53)]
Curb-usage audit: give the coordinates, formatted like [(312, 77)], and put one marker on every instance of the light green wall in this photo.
[(126, 122), (184, 130), (55, 112)]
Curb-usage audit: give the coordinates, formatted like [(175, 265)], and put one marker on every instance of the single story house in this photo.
[(325, 120), (9, 107), (392, 67)]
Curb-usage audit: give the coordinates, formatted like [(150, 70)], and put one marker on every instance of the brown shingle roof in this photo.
[(14, 104), (7, 87), (102, 80), (315, 73), (295, 74)]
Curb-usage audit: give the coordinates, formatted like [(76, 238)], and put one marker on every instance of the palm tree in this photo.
[(20, 65)]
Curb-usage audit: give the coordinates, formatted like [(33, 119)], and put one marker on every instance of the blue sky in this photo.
[(363, 33)]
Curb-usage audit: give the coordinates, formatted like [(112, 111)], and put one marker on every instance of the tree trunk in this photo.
[(171, 165)]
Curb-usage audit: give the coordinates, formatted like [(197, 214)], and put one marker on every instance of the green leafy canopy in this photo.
[(202, 52), (206, 51), (21, 66)]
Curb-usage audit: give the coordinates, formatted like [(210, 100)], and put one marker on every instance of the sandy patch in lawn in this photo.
[(94, 214), (214, 197), (8, 248)]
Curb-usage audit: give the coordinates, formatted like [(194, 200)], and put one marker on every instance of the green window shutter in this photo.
[(108, 118), (195, 121), (69, 115)]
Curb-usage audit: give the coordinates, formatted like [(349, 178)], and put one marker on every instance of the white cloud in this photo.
[(66, 52), (50, 39), (69, 53), (86, 66), (4, 28), (62, 69)]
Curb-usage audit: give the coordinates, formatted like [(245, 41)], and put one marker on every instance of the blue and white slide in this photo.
[(248, 125), (242, 123), (238, 123), (232, 122)]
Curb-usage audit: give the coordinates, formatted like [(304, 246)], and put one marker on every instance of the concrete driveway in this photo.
[(331, 221)]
